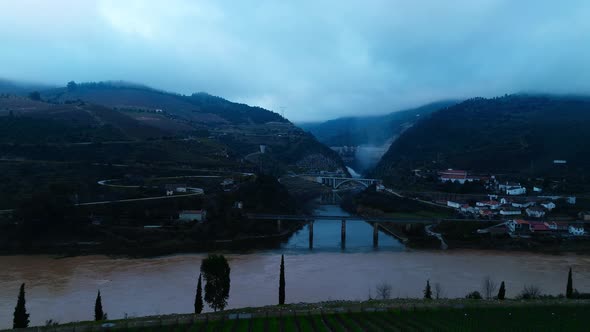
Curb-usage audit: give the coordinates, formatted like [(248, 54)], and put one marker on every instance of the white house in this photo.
[(535, 212), (513, 191), (523, 204), (452, 175), (192, 215), (576, 230), (548, 205), (509, 211), (454, 205), (506, 185), (494, 205), (465, 208)]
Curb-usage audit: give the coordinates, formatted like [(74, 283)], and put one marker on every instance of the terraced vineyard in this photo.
[(514, 318)]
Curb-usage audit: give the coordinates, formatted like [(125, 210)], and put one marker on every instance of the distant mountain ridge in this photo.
[(370, 130), (511, 134)]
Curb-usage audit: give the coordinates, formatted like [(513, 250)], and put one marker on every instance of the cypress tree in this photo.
[(569, 290), (199, 297), (502, 292), (21, 317), (428, 291), (282, 281), (98, 313)]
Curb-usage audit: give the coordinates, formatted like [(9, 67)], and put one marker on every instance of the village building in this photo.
[(506, 185), (510, 211), (466, 208), (535, 212), (457, 176), (523, 204), (518, 225), (558, 226), (548, 205), (539, 227), (455, 205), (515, 191), (486, 212), (576, 230), (494, 205)]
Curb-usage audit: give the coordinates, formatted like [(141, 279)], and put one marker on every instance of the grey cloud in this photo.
[(319, 59)]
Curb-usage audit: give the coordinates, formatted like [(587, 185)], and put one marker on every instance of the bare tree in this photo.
[(438, 291), (489, 287), (530, 292), (383, 291)]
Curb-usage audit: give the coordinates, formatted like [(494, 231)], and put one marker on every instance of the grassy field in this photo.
[(511, 318)]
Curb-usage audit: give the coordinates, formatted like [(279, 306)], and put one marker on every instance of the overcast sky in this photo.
[(317, 59)]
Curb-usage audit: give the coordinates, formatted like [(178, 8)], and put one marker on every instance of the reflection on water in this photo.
[(327, 236), (65, 289)]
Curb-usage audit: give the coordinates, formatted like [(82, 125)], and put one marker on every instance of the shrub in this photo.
[(475, 295)]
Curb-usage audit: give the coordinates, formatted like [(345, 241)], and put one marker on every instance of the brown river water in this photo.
[(65, 289)]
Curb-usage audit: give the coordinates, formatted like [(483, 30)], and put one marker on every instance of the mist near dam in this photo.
[(362, 159)]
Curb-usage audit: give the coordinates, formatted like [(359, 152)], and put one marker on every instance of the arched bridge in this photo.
[(337, 182)]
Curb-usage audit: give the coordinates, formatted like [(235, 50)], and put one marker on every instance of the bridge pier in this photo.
[(310, 226), (375, 235), (279, 224), (343, 234)]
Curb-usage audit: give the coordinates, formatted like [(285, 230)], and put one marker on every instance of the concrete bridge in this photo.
[(311, 219), (335, 182)]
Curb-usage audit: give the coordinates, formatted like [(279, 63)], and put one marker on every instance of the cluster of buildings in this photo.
[(490, 182), (519, 227), (533, 207)]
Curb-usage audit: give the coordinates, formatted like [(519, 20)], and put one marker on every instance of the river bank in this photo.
[(166, 245)]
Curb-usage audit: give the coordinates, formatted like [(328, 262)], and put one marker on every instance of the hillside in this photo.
[(518, 134), (221, 132), (369, 130), (199, 107)]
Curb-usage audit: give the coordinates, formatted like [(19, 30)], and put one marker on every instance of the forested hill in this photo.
[(517, 133), (199, 107), (369, 130)]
